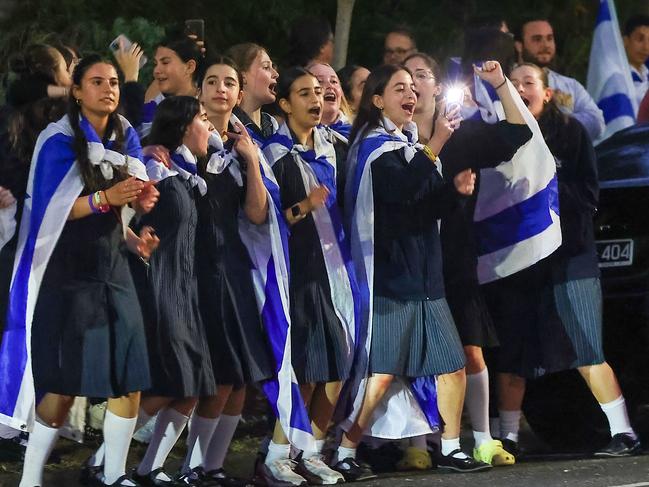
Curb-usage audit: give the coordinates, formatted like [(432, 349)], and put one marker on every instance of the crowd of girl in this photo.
[(326, 253)]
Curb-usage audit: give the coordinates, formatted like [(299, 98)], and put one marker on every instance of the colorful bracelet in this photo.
[(94, 200), (429, 152)]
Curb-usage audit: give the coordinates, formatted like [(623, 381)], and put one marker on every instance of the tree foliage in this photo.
[(438, 25)]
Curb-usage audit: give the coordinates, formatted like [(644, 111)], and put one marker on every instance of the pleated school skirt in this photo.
[(414, 338), (579, 304)]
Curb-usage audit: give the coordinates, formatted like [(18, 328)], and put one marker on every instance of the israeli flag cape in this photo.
[(54, 184), (318, 167), (516, 217), (183, 163), (148, 113), (408, 409), (341, 128), (609, 79), (267, 246)]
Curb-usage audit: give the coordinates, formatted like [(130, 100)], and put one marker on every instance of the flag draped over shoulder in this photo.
[(407, 409), (267, 246), (609, 79), (516, 217), (54, 184)]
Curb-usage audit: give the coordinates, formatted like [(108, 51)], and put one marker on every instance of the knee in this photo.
[(379, 383), (474, 359)]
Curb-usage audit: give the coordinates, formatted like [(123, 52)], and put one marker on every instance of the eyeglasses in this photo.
[(400, 51), (424, 75)]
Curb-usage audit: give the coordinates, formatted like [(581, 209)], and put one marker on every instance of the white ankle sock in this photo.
[(277, 451), (343, 452), (200, 434), (118, 432), (220, 442), (97, 458), (319, 445), (449, 446), (510, 423), (477, 403), (618, 417), (168, 428), (41, 442)]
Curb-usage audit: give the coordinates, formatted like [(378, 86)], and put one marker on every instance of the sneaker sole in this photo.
[(617, 455), (481, 468)]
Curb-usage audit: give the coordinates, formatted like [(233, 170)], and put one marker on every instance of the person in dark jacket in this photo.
[(573, 267)]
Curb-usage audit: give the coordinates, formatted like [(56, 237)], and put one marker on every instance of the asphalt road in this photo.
[(622, 472)]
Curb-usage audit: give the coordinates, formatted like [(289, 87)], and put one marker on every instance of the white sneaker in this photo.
[(279, 473), (316, 471)]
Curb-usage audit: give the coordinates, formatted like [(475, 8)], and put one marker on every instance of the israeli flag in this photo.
[(609, 78), (267, 246), (54, 184), (516, 218)]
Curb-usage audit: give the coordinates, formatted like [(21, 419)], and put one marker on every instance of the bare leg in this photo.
[(450, 399), (377, 386), (323, 403), (601, 381)]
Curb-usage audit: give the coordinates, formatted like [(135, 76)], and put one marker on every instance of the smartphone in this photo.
[(195, 27), (126, 42), (454, 98)]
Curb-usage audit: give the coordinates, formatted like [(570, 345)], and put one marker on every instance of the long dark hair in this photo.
[(172, 117), (368, 113), (187, 50), (92, 177)]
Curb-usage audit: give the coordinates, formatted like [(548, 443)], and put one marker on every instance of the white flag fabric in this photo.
[(609, 77)]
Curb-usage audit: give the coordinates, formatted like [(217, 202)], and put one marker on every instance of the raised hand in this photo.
[(129, 60), (465, 182), (491, 72), (159, 153), (148, 198), (243, 144)]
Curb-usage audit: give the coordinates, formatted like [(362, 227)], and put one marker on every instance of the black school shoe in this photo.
[(621, 445), (124, 480), (354, 471), (89, 473), (220, 477), (464, 465), (150, 480)]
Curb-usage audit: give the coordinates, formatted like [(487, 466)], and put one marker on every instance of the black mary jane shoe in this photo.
[(220, 477), (463, 465), (123, 481), (151, 480)]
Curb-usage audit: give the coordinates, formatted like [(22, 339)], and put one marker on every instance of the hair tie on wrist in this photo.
[(501, 84)]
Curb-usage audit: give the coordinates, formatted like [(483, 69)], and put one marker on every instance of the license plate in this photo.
[(615, 253)]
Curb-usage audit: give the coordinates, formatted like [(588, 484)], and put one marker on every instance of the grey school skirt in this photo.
[(414, 338), (579, 305)]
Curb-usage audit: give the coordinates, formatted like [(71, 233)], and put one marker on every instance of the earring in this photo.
[(78, 101), (381, 108), (545, 102)]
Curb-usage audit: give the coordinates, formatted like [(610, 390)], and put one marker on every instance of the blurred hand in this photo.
[(491, 72), (124, 192), (6, 198), (318, 197), (465, 182), (148, 198), (148, 242), (445, 125), (129, 60), (158, 152), (199, 43)]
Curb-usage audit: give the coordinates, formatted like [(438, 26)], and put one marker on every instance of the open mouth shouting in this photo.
[(271, 87), (409, 108), (330, 97), (315, 111)]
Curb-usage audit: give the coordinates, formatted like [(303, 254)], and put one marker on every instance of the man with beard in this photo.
[(534, 41)]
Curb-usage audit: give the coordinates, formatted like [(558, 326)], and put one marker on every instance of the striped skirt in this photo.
[(414, 338), (579, 304)]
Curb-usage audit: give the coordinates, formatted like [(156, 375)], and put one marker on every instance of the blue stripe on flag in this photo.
[(615, 106), (604, 14), (518, 222), (55, 160)]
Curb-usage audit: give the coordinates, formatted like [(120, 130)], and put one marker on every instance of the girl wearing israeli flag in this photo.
[(322, 283), (395, 198), (74, 323)]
